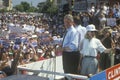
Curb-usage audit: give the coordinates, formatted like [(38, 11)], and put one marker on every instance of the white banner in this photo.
[(111, 22)]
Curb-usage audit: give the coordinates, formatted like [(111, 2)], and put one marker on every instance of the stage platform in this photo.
[(50, 68), (24, 77), (50, 65)]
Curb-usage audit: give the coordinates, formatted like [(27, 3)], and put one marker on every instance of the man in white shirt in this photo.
[(80, 29)]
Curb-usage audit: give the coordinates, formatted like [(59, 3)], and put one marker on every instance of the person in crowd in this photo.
[(117, 16), (91, 9), (106, 59), (117, 52), (70, 54), (81, 31), (116, 42), (110, 13), (89, 50), (40, 54), (104, 7), (103, 21), (85, 19)]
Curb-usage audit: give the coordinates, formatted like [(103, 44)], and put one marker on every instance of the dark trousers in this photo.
[(105, 61), (117, 56), (71, 62)]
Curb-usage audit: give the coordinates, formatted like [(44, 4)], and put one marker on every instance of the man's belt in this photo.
[(89, 56)]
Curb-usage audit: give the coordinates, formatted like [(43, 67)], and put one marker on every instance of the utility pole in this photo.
[(10, 5), (71, 5)]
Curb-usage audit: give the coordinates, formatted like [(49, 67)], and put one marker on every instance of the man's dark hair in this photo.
[(77, 20)]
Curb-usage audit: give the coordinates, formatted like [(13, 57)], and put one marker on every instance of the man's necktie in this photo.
[(64, 37)]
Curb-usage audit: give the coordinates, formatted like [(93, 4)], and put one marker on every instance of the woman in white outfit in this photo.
[(89, 50)]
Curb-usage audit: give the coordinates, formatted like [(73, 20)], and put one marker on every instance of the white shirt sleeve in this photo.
[(100, 47)]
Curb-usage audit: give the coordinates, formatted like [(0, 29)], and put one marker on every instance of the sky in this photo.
[(34, 2)]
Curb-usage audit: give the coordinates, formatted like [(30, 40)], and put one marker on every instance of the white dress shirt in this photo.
[(91, 47), (82, 32)]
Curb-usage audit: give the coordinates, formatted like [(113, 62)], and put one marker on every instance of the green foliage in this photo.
[(47, 7), (3, 10), (40, 6), (52, 9), (19, 8), (44, 7), (32, 9), (25, 7)]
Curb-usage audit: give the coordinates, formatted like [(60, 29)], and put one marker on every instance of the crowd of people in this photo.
[(26, 38)]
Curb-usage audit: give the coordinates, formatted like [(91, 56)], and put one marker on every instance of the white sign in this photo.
[(111, 22)]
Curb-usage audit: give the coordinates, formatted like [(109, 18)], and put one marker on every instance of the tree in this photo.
[(32, 9), (19, 8), (6, 3), (40, 6), (25, 7), (52, 10), (47, 7)]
